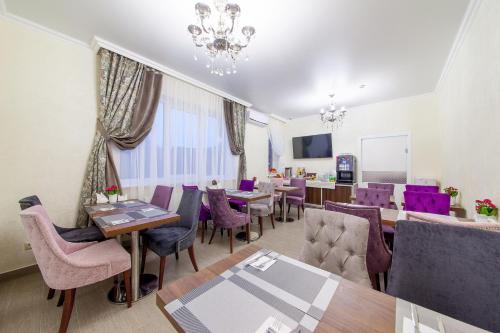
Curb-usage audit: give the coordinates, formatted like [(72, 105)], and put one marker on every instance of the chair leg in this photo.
[(374, 281), (221, 232), (128, 289), (191, 256), (203, 227), (213, 234), (60, 302), (143, 259), (302, 208), (247, 230), (51, 293), (281, 207), (260, 226), (288, 208), (177, 256), (69, 296), (298, 212), (162, 271), (230, 233), (272, 219)]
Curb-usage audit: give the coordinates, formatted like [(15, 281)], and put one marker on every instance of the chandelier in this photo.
[(331, 116), (219, 36)]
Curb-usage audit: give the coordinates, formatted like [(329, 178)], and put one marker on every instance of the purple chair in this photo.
[(422, 188), (387, 187), (378, 255), (298, 197), (245, 185), (204, 212), (162, 196), (225, 217), (425, 202)]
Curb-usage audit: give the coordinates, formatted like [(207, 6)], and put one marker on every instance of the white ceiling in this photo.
[(302, 50)]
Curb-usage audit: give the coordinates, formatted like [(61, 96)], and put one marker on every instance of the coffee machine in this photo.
[(346, 169)]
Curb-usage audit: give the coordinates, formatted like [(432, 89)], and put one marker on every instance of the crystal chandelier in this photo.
[(219, 36), (331, 116)]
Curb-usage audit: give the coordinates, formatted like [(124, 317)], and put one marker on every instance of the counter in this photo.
[(319, 191)]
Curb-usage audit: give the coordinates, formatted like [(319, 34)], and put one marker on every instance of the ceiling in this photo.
[(302, 51)]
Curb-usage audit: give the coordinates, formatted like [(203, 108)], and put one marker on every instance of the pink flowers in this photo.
[(112, 190), (486, 207)]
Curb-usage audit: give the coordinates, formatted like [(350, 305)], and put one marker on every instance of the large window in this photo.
[(187, 145)]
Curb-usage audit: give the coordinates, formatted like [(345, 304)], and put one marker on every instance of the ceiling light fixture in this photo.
[(332, 117), (222, 43)]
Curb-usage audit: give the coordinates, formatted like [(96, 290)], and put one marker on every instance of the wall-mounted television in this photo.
[(313, 146)]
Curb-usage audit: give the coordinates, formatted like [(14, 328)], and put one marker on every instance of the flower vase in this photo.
[(485, 218), (113, 198), (454, 200)]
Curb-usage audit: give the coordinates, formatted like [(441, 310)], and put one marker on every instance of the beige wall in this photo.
[(414, 115), (47, 121), (469, 105)]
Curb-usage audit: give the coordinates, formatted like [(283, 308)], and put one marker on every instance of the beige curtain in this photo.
[(128, 97), (235, 116)]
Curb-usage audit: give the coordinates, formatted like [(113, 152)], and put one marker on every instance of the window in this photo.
[(187, 144)]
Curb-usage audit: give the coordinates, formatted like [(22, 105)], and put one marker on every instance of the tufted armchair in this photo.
[(387, 187), (337, 242), (298, 197), (425, 202), (225, 217), (204, 212), (422, 188), (245, 185), (373, 197), (161, 196), (378, 255), (264, 207), (175, 237), (67, 266)]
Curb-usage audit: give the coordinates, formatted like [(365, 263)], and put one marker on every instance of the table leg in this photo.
[(284, 218), (135, 265)]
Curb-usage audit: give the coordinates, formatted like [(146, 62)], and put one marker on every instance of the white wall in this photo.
[(469, 107), (414, 115), (47, 121)]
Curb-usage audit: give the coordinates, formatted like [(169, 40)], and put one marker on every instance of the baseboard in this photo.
[(18, 272)]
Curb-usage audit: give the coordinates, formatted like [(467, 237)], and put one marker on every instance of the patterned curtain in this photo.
[(128, 98), (235, 115)]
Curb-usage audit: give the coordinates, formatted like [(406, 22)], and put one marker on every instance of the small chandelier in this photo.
[(219, 37), (331, 116)]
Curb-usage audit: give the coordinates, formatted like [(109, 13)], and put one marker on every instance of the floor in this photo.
[(24, 307)]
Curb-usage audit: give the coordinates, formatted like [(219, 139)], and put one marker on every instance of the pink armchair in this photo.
[(66, 266)]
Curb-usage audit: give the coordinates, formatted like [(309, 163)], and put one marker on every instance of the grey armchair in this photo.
[(175, 237)]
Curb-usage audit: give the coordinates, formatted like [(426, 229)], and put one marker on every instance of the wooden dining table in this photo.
[(96, 212), (390, 217), (285, 190), (352, 309)]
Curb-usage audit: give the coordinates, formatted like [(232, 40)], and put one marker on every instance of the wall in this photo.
[(415, 115), (469, 109), (47, 117)]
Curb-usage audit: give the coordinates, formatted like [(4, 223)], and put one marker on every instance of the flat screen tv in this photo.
[(312, 146)]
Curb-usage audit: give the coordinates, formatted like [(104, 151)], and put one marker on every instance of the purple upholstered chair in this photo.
[(422, 188), (162, 196), (67, 266), (225, 217), (204, 212), (245, 185), (298, 197), (378, 255), (436, 203), (388, 187), (373, 197)]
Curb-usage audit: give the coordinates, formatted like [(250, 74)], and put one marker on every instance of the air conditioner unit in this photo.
[(258, 118)]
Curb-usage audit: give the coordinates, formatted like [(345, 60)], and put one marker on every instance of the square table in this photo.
[(285, 190), (136, 216)]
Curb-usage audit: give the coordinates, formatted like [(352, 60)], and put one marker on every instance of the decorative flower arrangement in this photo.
[(486, 207), (112, 190), (453, 192)]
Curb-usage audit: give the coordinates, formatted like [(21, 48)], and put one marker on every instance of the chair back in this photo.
[(247, 185), (378, 255), (189, 209), (336, 242), (422, 188), (301, 184), (448, 269), (373, 197), (382, 186), (30, 201), (436, 203), (277, 182), (222, 214), (267, 188), (162, 196)]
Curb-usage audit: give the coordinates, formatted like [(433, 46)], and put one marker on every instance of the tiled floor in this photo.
[(24, 308)]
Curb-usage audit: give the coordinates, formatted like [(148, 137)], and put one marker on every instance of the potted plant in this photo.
[(112, 193), (453, 193), (486, 211)]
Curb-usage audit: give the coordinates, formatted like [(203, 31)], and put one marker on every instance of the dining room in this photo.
[(188, 167)]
